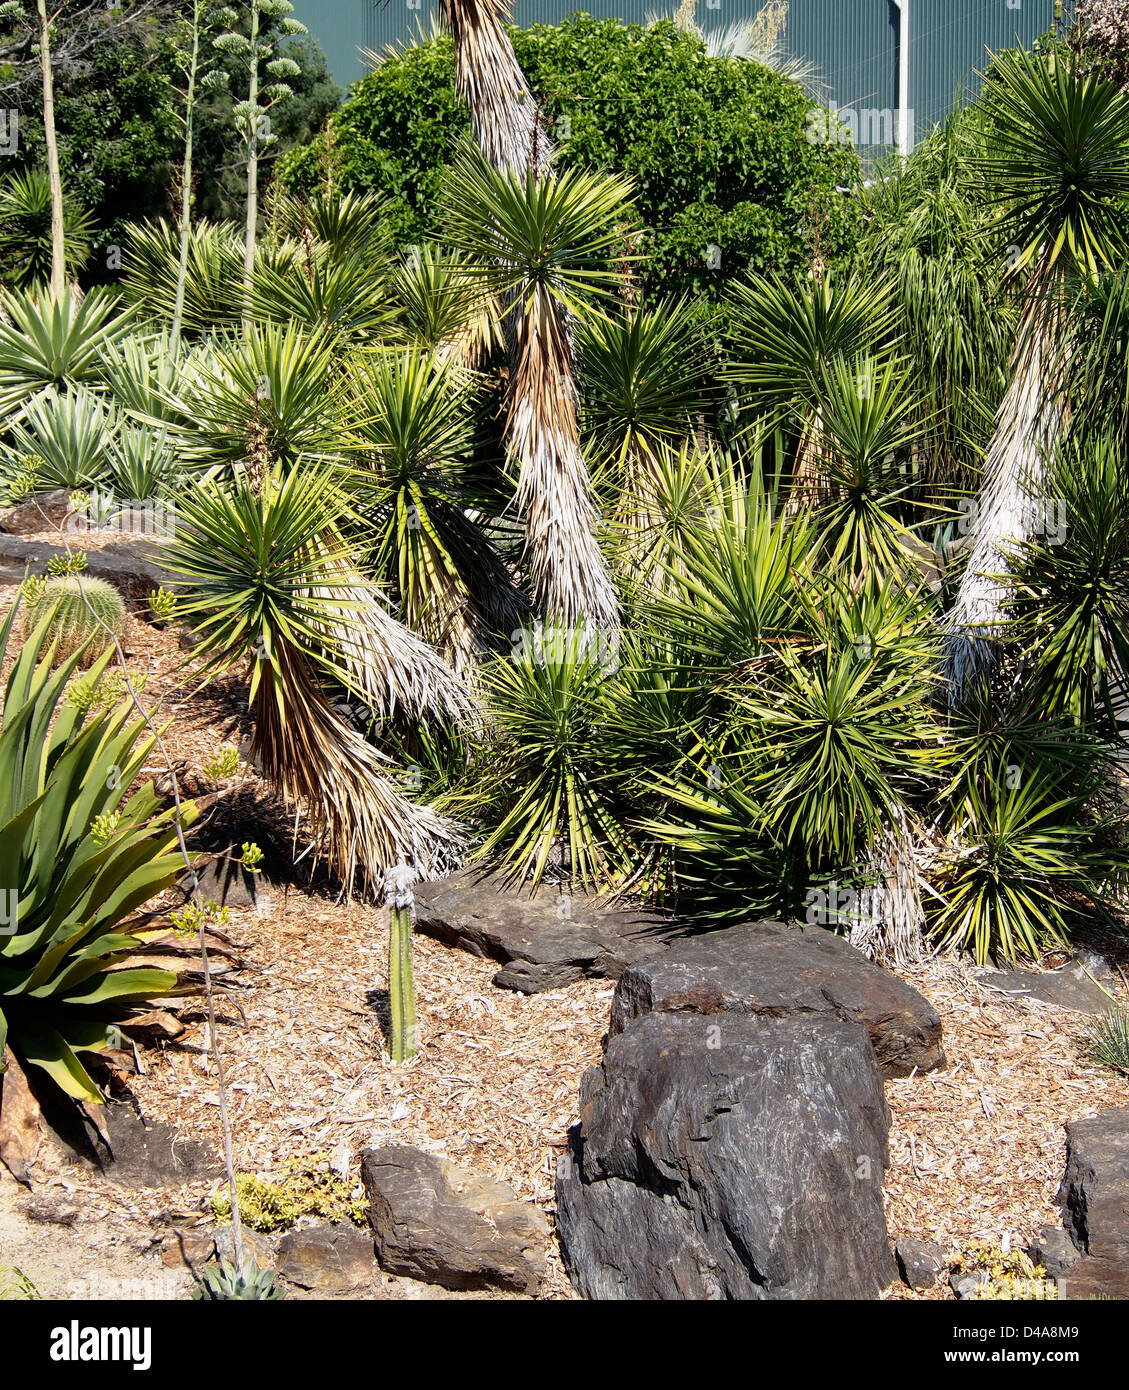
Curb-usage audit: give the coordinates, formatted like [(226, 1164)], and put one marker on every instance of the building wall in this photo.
[(854, 43)]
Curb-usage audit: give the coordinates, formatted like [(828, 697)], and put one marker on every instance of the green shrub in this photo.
[(1108, 1041), (718, 148), (307, 1186), (77, 610)]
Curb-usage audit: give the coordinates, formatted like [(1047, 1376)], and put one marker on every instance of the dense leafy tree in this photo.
[(725, 171)]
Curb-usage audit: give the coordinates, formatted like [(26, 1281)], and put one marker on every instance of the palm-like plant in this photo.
[(212, 276), (644, 375), (440, 306), (25, 229), (490, 82), (271, 583), (542, 245), (413, 436), (1055, 168)]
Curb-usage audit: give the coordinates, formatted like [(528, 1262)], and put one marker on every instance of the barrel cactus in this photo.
[(80, 608)]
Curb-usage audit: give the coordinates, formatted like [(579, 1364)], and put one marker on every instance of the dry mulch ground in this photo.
[(977, 1150)]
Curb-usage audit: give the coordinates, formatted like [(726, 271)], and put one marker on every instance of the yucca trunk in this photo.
[(359, 822), (567, 570), (1028, 427), (568, 573), (888, 927), (490, 81)]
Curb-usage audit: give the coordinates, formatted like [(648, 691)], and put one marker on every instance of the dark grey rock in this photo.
[(1080, 985), (1094, 1197), (437, 1223), (1054, 1250), (44, 512), (965, 1285), (152, 1155), (920, 1262), (543, 939), (732, 1157), (224, 880), (329, 1255), (771, 969), (188, 1249)]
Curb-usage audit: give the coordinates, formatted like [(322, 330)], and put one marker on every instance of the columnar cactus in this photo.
[(398, 898), (81, 606)]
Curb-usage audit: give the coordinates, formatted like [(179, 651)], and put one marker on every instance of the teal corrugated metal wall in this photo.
[(854, 43)]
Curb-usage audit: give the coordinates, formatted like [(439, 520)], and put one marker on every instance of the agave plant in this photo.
[(541, 244), (1055, 167), (81, 849), (53, 342), (69, 434), (227, 1283), (270, 586)]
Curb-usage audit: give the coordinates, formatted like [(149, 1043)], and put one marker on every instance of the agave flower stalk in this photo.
[(399, 899)]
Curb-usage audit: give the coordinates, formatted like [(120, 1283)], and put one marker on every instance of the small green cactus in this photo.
[(399, 899), (224, 1283), (75, 603)]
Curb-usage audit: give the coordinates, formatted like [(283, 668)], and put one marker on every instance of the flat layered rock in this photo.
[(729, 1158), (771, 969), (436, 1222), (543, 939)]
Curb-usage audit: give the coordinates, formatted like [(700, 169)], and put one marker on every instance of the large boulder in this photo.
[(770, 969), (437, 1223), (729, 1157), (1094, 1197), (543, 938)]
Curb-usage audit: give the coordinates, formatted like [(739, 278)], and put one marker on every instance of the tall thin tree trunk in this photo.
[(252, 173), (186, 194), (1028, 428), (55, 178)]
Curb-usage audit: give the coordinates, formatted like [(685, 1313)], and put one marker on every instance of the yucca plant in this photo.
[(441, 306), (542, 245), (869, 420), (924, 232), (270, 586), (81, 849), (413, 438), (25, 229), (53, 342), (547, 782), (214, 268), (645, 378), (347, 223), (1027, 855), (1071, 595), (344, 298), (1108, 1040), (1055, 169)]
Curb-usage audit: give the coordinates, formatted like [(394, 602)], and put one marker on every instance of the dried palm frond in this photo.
[(490, 81)]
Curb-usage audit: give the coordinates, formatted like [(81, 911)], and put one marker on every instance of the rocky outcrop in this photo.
[(1094, 1197), (434, 1222), (544, 939), (729, 1157), (773, 970)]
